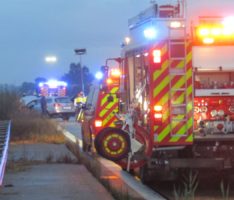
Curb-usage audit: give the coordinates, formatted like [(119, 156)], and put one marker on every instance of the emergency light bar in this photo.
[(215, 32), (53, 84)]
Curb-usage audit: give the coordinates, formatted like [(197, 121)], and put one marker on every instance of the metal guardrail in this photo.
[(5, 127)]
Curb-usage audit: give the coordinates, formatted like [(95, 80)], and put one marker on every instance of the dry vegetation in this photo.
[(27, 125)]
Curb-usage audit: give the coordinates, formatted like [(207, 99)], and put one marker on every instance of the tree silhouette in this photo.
[(74, 79)]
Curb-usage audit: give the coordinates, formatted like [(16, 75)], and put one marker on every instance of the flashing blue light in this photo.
[(99, 75), (40, 84), (53, 84), (150, 33)]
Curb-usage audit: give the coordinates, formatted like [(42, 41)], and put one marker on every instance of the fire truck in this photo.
[(172, 106), (52, 88)]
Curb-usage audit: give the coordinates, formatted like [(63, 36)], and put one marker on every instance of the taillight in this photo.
[(98, 123), (158, 114), (157, 108), (155, 59), (156, 56), (57, 105)]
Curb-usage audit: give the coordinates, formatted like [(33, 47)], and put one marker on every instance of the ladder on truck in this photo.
[(178, 86)]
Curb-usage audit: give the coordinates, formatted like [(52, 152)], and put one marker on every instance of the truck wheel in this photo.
[(112, 144)]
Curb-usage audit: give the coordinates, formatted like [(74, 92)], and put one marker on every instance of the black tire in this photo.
[(116, 148)]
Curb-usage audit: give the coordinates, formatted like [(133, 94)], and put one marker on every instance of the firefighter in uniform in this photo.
[(79, 102)]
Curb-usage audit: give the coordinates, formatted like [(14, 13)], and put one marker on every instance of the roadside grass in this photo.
[(27, 125), (189, 182), (32, 128)]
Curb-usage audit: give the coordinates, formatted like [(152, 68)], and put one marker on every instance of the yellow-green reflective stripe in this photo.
[(180, 64), (179, 83), (180, 99), (182, 130), (164, 133), (161, 86), (107, 108), (190, 89), (157, 73), (155, 128), (190, 138), (104, 100), (189, 57), (107, 119)]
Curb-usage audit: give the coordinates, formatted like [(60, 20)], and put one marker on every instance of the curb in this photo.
[(118, 182)]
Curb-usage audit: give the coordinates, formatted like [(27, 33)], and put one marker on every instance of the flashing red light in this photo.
[(98, 123), (156, 53), (109, 81), (158, 115), (115, 73), (215, 33), (157, 108), (208, 40)]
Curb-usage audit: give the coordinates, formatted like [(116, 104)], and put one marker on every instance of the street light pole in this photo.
[(81, 52)]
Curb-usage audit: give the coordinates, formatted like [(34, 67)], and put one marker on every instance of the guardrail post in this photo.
[(5, 127)]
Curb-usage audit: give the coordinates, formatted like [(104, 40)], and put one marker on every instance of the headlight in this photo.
[(221, 113), (213, 113)]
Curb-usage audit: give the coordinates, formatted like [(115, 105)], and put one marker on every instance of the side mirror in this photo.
[(121, 106)]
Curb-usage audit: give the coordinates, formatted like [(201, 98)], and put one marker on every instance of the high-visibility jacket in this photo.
[(79, 100)]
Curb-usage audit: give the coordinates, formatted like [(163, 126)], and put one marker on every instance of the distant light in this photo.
[(127, 40), (99, 75), (51, 59), (53, 84), (146, 54), (138, 55), (150, 33)]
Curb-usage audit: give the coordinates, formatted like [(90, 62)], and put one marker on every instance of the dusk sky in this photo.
[(32, 29)]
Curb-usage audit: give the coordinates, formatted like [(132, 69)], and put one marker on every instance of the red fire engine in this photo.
[(168, 112)]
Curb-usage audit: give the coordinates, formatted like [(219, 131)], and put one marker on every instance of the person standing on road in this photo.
[(43, 105), (79, 102)]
